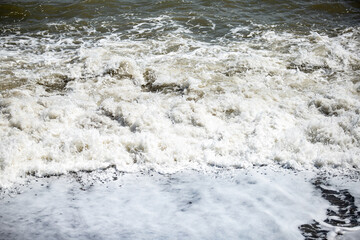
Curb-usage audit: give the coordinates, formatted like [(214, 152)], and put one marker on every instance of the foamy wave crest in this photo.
[(178, 103)]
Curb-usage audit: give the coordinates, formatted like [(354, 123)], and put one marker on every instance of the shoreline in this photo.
[(292, 205)]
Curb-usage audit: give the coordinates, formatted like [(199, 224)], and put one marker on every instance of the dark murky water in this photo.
[(209, 20)]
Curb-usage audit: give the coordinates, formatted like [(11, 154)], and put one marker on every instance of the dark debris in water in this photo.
[(344, 212)]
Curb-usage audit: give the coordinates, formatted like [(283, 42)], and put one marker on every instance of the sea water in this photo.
[(170, 86)]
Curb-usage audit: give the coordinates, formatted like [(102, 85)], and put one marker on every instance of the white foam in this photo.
[(239, 204), (277, 98)]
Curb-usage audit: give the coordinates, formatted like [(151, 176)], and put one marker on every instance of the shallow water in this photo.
[(238, 204)]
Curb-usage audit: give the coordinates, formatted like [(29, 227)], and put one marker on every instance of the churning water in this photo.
[(168, 87)]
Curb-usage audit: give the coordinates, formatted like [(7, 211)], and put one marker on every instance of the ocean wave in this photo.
[(70, 104)]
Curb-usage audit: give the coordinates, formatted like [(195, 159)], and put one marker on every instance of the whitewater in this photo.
[(172, 113), (179, 103)]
